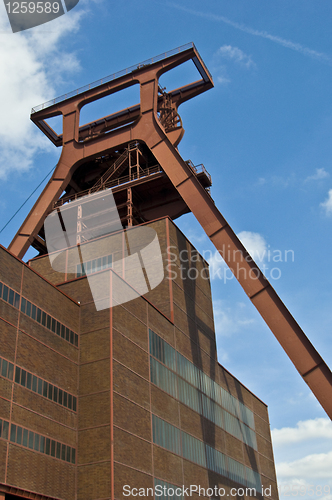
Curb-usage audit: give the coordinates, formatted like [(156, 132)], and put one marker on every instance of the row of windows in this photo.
[(31, 310), (196, 377), (36, 442), (93, 266), (199, 402), (179, 442), (36, 384)]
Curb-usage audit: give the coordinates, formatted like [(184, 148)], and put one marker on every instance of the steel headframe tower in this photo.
[(155, 123)]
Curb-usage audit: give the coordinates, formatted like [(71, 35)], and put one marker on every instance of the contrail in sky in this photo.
[(320, 56)]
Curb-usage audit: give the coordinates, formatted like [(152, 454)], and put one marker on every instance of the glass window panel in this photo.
[(10, 371), (11, 297), (67, 334), (63, 331), (17, 301), (71, 337), (55, 394), (19, 435), (64, 398), (25, 437), (74, 403), (73, 456), (45, 389), (48, 321), (78, 270), (60, 397), (38, 315), (33, 311), (53, 448), (29, 380), (42, 444), (34, 383), (68, 454), (5, 429), (4, 368), (109, 260), (50, 391), (76, 340), (63, 452), (31, 436), (47, 446), (28, 309), (58, 328), (53, 328), (5, 293), (58, 450), (36, 446), (17, 375), (98, 265), (13, 433), (93, 266), (23, 377), (0, 289), (104, 263), (40, 386), (70, 401), (43, 318)]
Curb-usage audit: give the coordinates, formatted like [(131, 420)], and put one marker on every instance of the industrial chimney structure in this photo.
[(109, 381)]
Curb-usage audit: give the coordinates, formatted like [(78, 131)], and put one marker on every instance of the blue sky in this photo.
[(264, 134)]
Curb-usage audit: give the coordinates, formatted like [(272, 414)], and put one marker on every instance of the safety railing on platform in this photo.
[(113, 76)]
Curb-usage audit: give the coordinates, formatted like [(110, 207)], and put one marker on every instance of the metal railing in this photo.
[(107, 185), (198, 169), (112, 77)]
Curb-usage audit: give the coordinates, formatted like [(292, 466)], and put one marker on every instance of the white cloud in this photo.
[(237, 55), (319, 175), (32, 65), (304, 430), (317, 466), (255, 244), (327, 204)]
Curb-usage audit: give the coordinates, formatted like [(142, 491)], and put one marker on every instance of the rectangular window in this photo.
[(13, 433), (4, 368), (17, 375), (29, 380), (31, 436), (38, 316), (40, 386), (74, 403), (63, 331), (68, 454), (45, 389), (17, 301), (5, 429), (63, 452), (28, 309), (58, 450), (11, 297), (33, 311), (37, 442), (34, 383), (19, 435), (73, 456), (42, 444), (23, 377), (47, 446), (53, 325), (48, 322), (76, 340), (25, 437), (71, 337), (60, 397), (67, 334), (23, 305), (10, 371), (50, 391), (64, 398), (55, 395), (58, 328), (53, 449), (70, 401), (5, 293)]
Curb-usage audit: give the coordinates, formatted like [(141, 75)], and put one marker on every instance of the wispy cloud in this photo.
[(319, 175), (237, 55), (289, 44), (327, 204)]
